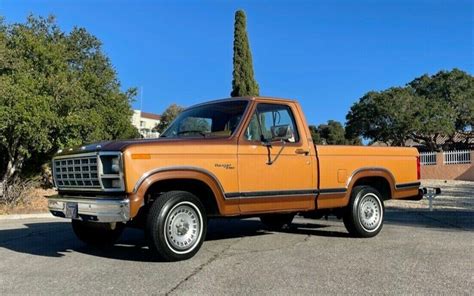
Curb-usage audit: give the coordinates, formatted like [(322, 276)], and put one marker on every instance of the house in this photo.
[(458, 141), (146, 123)]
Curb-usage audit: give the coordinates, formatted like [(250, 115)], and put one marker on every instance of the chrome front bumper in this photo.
[(90, 209)]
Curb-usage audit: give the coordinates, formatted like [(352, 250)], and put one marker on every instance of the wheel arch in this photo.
[(379, 178), (198, 181)]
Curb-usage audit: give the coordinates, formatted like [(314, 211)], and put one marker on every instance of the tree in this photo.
[(423, 110), (243, 83), (452, 92), (333, 132), (383, 116), (57, 89), (315, 134), (168, 116)]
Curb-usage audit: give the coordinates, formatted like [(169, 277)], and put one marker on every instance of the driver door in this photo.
[(279, 177)]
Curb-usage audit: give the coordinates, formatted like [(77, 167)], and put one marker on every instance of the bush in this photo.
[(16, 190)]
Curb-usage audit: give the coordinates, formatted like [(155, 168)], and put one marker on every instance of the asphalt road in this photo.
[(417, 252)]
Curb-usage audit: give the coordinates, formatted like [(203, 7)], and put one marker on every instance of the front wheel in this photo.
[(365, 213), (176, 225), (97, 234)]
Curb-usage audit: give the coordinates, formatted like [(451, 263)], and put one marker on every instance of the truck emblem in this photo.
[(226, 166)]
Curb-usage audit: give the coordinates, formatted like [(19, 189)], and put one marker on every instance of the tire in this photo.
[(277, 221), (365, 213), (97, 234), (176, 226)]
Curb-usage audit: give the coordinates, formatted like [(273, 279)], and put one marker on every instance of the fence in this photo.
[(457, 157), (449, 157), (428, 158), (448, 165)]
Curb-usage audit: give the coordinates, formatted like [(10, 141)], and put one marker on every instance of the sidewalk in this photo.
[(25, 216)]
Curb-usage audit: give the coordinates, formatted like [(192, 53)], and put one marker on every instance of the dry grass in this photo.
[(33, 202)]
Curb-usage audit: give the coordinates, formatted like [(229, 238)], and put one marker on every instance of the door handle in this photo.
[(301, 151)]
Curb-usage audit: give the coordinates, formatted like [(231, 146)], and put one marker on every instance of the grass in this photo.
[(33, 202)]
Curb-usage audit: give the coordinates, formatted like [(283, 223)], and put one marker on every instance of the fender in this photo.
[(341, 199), (137, 197)]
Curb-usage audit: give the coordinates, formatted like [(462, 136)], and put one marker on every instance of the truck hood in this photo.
[(104, 146), (121, 145)]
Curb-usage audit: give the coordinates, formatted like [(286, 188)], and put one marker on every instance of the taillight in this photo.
[(418, 169)]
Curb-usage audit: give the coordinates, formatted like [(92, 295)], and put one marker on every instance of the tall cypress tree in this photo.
[(243, 82)]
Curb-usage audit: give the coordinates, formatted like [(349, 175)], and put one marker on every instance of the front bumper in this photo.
[(90, 209)]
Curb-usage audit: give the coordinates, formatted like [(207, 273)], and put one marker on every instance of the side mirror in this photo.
[(281, 132)]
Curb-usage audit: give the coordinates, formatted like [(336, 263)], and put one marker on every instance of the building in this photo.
[(146, 123), (459, 141)]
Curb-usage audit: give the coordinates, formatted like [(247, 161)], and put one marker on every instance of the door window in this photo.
[(268, 117)]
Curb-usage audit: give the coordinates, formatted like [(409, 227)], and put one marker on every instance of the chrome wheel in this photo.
[(183, 227), (370, 212)]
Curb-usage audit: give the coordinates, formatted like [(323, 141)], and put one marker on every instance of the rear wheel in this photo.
[(98, 234), (176, 225), (277, 221), (365, 213)]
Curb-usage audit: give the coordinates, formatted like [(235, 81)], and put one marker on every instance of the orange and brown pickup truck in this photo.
[(238, 157)]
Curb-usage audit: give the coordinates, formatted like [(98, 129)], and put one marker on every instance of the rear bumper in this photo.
[(422, 192), (90, 209)]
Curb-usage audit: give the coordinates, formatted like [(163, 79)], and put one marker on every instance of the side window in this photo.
[(268, 117), (195, 124)]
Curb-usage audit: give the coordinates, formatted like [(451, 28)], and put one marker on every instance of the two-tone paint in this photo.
[(304, 178)]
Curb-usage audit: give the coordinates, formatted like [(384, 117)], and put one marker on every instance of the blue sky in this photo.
[(326, 54)]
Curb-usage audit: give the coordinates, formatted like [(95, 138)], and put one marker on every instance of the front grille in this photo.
[(78, 172)]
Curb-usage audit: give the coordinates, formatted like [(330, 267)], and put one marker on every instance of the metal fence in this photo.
[(428, 158), (457, 157), (449, 157)]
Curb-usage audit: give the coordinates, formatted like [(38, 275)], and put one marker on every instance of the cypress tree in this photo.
[(243, 82)]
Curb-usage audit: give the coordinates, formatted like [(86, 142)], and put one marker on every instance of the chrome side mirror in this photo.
[(281, 133)]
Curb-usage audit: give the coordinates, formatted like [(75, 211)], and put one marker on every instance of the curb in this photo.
[(26, 216)]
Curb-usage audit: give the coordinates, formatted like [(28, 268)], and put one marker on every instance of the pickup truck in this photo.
[(238, 157)]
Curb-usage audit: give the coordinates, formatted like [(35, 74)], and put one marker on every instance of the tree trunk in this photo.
[(12, 167)]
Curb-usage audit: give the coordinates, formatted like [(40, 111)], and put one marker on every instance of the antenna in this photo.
[(141, 99)]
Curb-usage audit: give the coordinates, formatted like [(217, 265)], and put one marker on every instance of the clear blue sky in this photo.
[(327, 54)]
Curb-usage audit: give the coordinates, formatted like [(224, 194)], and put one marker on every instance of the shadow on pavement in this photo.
[(440, 219), (55, 239)]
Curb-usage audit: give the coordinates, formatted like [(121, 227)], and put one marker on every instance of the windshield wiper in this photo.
[(193, 131)]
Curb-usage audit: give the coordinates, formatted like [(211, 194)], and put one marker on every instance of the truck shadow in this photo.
[(56, 239)]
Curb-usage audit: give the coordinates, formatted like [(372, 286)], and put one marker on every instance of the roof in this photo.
[(265, 98), (246, 98), (150, 115), (440, 140)]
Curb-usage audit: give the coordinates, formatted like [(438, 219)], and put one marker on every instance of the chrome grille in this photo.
[(77, 172)]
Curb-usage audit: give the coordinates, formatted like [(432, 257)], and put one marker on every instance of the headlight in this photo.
[(110, 164), (111, 176), (115, 165)]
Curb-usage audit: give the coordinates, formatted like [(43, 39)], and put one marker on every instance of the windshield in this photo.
[(210, 120)]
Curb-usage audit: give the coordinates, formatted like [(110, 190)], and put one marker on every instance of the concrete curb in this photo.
[(26, 216)]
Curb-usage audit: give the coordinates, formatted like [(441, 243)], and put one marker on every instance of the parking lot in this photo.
[(416, 252)]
